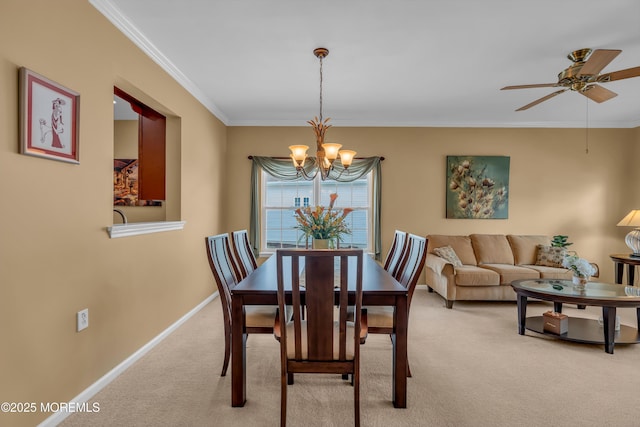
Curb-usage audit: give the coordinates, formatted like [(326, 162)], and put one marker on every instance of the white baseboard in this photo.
[(93, 389)]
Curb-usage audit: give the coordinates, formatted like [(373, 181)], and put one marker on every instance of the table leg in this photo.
[(631, 272), (557, 307), (238, 353), (522, 313), (400, 368), (609, 318), (638, 317), (618, 273)]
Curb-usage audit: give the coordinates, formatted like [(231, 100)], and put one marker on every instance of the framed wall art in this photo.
[(125, 184), (478, 187), (49, 118)]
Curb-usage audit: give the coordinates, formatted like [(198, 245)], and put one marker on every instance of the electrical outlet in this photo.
[(82, 319)]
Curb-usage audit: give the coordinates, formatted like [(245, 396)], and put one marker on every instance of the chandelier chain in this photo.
[(321, 88)]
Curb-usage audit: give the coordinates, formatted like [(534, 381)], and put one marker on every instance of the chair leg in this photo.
[(289, 378), (227, 354), (283, 399), (356, 396)]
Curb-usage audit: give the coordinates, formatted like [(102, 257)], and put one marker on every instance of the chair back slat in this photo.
[(394, 257), (344, 301), (319, 296), (243, 253), (413, 259)]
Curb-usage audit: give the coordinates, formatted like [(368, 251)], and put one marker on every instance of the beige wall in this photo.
[(55, 256), (555, 186)]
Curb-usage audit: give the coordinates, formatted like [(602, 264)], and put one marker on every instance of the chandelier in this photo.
[(326, 152)]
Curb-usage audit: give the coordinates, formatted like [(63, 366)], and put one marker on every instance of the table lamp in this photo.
[(633, 238)]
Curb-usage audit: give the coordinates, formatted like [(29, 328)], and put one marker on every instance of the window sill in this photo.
[(134, 229)]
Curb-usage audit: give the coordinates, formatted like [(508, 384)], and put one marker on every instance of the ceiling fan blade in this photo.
[(530, 86), (619, 75), (599, 59), (538, 101), (598, 93)]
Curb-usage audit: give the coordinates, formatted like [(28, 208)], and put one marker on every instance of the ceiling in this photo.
[(391, 63)]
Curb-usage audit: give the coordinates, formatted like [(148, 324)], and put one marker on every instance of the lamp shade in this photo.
[(631, 220), (331, 150), (346, 157), (298, 154)]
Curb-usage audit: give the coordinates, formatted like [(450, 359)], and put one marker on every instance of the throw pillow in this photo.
[(449, 254), (550, 256)]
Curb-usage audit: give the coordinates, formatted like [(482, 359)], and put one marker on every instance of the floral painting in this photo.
[(478, 187)]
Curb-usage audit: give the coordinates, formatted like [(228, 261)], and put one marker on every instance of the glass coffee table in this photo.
[(605, 295)]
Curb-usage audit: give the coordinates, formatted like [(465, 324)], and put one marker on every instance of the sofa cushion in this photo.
[(525, 248), (449, 254), (550, 256), (551, 272), (460, 244), (509, 273), (492, 249), (471, 275)]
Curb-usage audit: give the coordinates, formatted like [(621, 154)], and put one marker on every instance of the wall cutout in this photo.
[(478, 187)]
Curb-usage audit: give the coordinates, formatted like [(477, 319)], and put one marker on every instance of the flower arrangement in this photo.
[(322, 223), (579, 266)]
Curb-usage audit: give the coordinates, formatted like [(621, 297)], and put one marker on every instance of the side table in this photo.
[(620, 260)]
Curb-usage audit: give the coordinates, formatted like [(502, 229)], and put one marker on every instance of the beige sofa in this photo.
[(490, 262)]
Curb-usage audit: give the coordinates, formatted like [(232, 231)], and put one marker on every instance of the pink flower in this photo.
[(332, 198)]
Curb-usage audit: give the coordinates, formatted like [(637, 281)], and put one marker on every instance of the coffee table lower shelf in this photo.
[(586, 331)]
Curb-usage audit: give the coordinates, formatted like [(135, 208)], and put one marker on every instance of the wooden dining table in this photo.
[(379, 288)]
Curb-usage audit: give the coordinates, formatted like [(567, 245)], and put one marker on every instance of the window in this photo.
[(280, 199)]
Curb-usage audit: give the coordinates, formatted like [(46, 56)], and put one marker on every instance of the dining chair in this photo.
[(324, 341), (243, 253), (379, 320), (258, 319), (392, 262)]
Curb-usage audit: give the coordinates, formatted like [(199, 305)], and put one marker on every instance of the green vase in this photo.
[(320, 243)]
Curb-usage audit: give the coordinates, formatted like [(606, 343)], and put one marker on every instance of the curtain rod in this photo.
[(289, 158)]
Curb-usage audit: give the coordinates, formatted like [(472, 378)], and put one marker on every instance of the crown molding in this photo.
[(115, 16), (441, 124)]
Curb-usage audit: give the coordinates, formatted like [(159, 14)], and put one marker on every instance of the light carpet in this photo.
[(470, 368)]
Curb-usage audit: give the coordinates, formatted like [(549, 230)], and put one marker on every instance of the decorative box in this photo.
[(556, 323)]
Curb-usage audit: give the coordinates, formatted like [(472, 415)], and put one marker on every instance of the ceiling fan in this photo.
[(582, 76)]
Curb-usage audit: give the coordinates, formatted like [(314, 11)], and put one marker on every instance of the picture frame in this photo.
[(125, 184), (477, 187), (49, 118)]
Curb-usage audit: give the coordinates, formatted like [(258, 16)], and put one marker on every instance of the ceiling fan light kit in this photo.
[(583, 76)]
